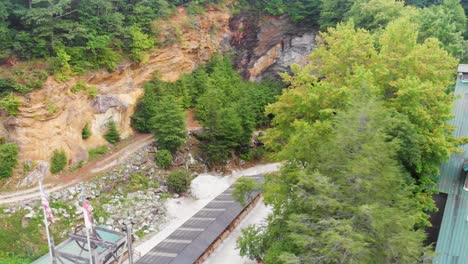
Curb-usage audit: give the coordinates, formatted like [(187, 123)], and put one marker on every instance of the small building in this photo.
[(463, 71)]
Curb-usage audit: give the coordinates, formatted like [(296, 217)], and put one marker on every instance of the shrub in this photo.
[(94, 153), (8, 159), (81, 86), (10, 103), (58, 161), (164, 158), (86, 132), (112, 135), (179, 181)]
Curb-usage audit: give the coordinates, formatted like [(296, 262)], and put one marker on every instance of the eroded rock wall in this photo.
[(266, 46)]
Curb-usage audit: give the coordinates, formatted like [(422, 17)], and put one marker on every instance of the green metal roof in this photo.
[(71, 247), (452, 243)]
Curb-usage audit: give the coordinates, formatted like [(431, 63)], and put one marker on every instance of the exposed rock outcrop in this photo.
[(267, 46)]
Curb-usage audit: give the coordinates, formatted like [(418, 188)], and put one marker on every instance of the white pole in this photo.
[(87, 230), (46, 223), (89, 246)]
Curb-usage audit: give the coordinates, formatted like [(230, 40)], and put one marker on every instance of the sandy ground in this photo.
[(205, 188), (227, 253)]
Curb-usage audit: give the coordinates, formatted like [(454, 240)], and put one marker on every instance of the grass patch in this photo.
[(97, 152)]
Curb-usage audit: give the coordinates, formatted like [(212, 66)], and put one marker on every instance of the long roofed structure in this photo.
[(452, 245)]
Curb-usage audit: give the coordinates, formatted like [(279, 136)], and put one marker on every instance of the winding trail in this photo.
[(91, 169)]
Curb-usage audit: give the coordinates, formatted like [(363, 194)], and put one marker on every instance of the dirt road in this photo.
[(88, 171)]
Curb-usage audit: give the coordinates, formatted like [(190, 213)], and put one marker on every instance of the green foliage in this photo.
[(58, 161), (86, 132), (228, 108), (10, 103), (8, 159), (138, 181), (62, 68), (112, 135), (20, 244), (251, 242), (446, 22), (168, 124), (333, 11), (95, 153), (402, 72), (375, 14), (81, 86), (139, 43), (164, 158), (244, 189), (328, 201), (179, 181)]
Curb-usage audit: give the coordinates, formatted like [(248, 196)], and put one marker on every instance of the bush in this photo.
[(112, 135), (10, 103), (81, 86), (86, 133), (164, 158), (179, 181), (8, 159), (58, 161)]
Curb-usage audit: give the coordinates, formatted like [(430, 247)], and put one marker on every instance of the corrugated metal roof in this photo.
[(452, 243), (186, 244), (462, 68)]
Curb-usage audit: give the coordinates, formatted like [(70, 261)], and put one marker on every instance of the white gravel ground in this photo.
[(227, 253), (206, 187)]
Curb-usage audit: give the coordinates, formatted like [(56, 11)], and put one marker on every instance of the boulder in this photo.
[(102, 103)]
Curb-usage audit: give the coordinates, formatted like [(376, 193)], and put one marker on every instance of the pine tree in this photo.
[(168, 124), (86, 132), (112, 135)]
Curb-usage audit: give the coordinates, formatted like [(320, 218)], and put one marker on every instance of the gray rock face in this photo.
[(36, 175), (294, 51), (102, 103), (267, 46)]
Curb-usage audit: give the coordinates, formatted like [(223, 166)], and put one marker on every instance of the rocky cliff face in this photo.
[(267, 46), (53, 117)]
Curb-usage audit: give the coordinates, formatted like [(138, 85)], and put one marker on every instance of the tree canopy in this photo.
[(363, 129)]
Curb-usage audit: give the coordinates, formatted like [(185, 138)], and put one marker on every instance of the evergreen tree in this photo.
[(168, 124), (112, 135), (86, 132), (8, 159), (58, 161)]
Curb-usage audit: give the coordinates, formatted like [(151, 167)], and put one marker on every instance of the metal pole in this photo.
[(89, 246), (46, 223), (86, 227), (129, 242)]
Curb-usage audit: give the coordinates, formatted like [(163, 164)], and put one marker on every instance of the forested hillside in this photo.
[(361, 127)]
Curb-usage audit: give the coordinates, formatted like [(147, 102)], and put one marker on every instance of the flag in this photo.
[(46, 206), (86, 213)]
